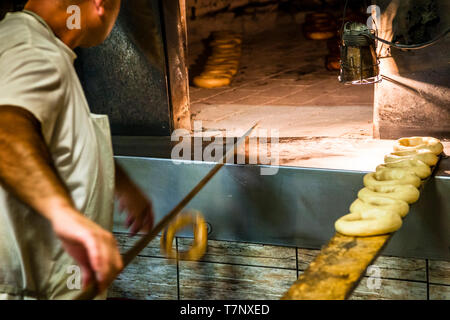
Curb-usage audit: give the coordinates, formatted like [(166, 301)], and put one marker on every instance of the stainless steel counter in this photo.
[(296, 207)]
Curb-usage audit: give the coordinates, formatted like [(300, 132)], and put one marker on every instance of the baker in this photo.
[(57, 174)]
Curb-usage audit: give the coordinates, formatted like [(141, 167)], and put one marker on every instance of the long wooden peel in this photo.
[(340, 265), (92, 291)]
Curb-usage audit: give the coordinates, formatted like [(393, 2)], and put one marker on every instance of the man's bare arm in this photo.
[(26, 167), (27, 171)]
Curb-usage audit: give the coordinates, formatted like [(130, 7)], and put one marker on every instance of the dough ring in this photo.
[(370, 222), (405, 192), (198, 248), (320, 35), (398, 206), (391, 177), (415, 166), (211, 81), (414, 143), (424, 155)]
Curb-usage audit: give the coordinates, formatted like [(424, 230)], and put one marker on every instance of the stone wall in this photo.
[(414, 96), (247, 16)]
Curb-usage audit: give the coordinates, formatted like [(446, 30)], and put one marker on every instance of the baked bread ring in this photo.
[(398, 206), (320, 26), (231, 40), (370, 222), (229, 53), (225, 34), (391, 177), (210, 81), (198, 248), (226, 46), (423, 155), (232, 71), (317, 16), (333, 62), (219, 61), (415, 166), (216, 73), (319, 35), (406, 192), (414, 143), (221, 66), (228, 62)]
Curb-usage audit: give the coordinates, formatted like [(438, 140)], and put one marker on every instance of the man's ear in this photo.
[(99, 7)]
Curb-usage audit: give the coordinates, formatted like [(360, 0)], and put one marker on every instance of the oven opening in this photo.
[(277, 63)]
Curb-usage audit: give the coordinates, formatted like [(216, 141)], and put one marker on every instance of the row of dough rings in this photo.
[(198, 248), (391, 188), (415, 143), (391, 177), (419, 168), (370, 222), (424, 155), (397, 206), (406, 192)]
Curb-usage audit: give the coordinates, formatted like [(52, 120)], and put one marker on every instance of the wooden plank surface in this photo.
[(237, 270), (390, 289), (212, 281), (249, 254), (149, 277), (146, 279), (439, 272), (389, 267), (439, 292), (335, 272)]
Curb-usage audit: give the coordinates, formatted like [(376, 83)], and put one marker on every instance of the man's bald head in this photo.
[(97, 18), (108, 4)]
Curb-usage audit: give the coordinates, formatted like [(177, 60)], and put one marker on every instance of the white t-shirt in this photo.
[(37, 74)]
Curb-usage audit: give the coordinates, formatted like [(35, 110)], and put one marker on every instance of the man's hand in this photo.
[(132, 200), (94, 248)]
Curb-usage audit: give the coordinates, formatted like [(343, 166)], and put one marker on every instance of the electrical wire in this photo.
[(398, 45), (412, 46)]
